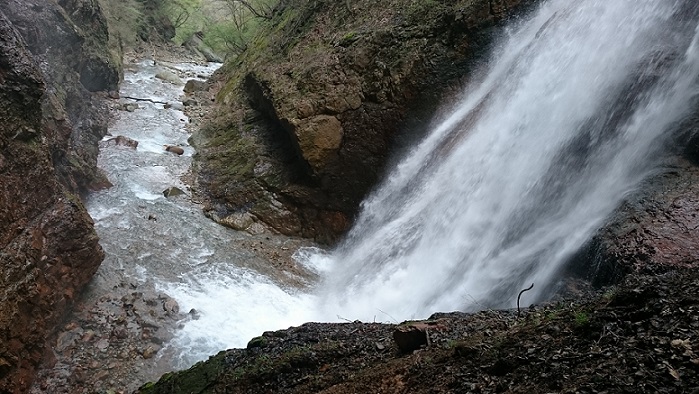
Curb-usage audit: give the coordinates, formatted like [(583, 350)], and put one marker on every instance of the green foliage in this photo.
[(349, 38), (610, 293), (295, 358), (581, 319), (196, 379), (552, 315), (228, 38), (420, 10), (124, 18), (227, 25), (180, 11)]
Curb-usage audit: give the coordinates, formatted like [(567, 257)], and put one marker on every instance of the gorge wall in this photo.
[(53, 64), (309, 115), (306, 119)]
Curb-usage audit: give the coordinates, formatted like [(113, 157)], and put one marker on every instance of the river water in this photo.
[(232, 280)]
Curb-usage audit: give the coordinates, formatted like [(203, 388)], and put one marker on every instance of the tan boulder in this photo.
[(319, 138)]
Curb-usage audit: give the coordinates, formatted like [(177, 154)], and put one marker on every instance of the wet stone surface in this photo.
[(113, 343), (638, 337)]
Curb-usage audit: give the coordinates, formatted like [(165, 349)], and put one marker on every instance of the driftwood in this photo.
[(145, 99)]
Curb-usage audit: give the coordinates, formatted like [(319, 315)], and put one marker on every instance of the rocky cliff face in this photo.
[(70, 47), (50, 61), (310, 114), (656, 228), (328, 106)]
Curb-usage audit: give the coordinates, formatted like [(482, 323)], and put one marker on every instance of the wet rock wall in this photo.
[(309, 115), (52, 68)]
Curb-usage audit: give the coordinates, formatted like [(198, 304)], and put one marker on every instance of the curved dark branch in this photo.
[(145, 99), (520, 296)]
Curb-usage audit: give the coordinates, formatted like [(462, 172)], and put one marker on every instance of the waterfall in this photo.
[(572, 111), (571, 114)]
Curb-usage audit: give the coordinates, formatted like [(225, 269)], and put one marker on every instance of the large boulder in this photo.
[(309, 115), (653, 231), (48, 247), (196, 44)]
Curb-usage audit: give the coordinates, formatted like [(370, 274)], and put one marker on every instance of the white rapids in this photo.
[(168, 244)]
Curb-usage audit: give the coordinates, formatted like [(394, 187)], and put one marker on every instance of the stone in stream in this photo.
[(188, 102), (130, 107), (150, 351), (238, 221), (195, 85), (194, 314), (168, 76), (172, 191), (120, 140), (171, 306), (174, 149)]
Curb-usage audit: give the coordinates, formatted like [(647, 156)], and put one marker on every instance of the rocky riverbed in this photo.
[(118, 335)]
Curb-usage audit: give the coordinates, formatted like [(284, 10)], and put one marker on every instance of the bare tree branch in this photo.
[(520, 296)]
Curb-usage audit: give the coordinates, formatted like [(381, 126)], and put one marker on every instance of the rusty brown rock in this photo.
[(195, 85), (412, 336), (75, 62), (320, 138), (409, 338), (49, 247)]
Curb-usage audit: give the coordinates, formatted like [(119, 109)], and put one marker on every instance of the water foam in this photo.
[(229, 307)]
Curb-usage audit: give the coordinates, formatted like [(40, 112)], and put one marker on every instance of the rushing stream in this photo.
[(168, 243), (570, 116)]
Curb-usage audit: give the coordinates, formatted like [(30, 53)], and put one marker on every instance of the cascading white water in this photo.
[(568, 119)]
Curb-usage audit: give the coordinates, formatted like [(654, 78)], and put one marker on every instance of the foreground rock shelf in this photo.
[(639, 337)]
